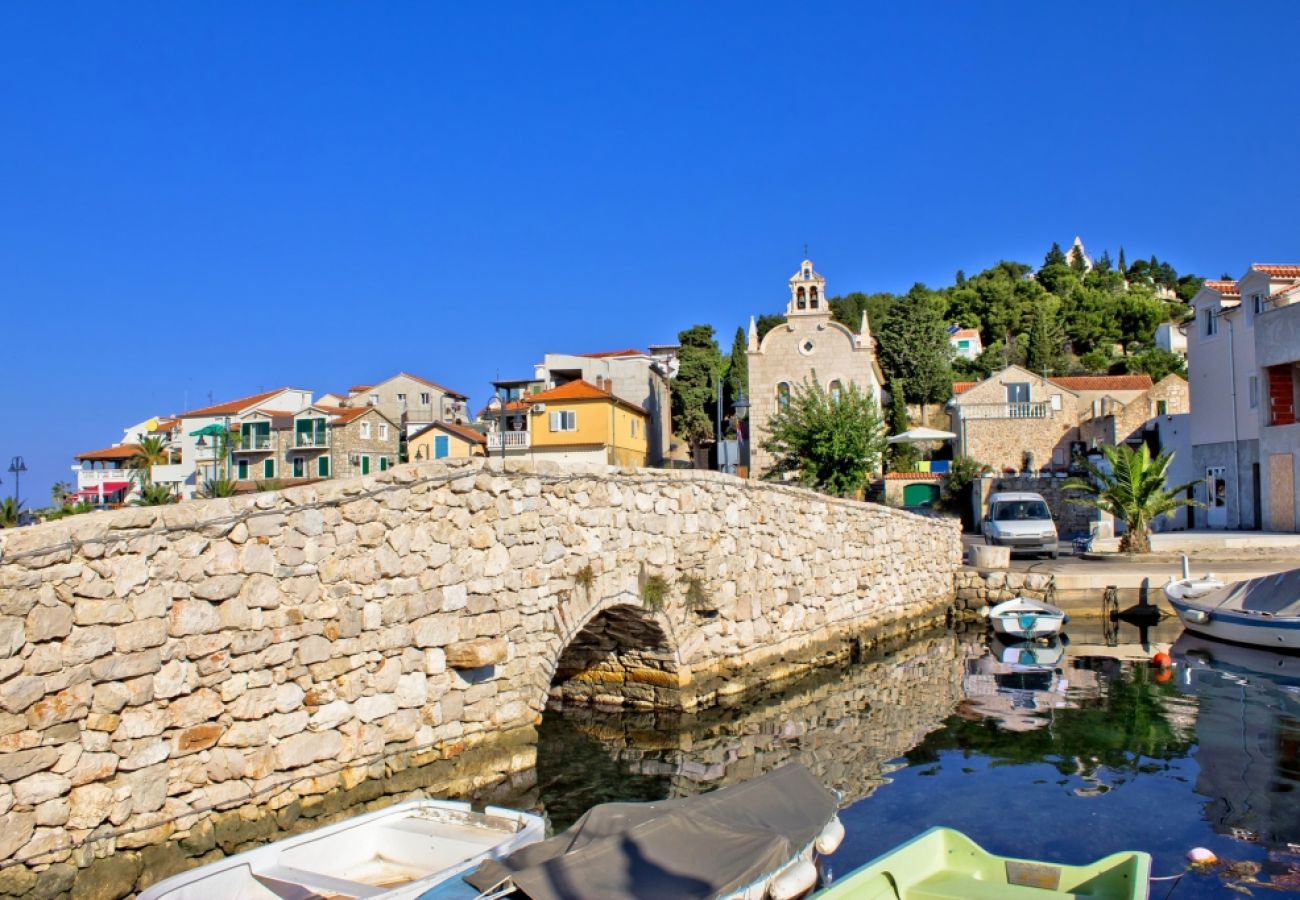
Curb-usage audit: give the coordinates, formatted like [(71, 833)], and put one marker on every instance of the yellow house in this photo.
[(444, 440), (579, 422)]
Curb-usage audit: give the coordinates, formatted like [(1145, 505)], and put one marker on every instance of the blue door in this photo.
[(440, 448)]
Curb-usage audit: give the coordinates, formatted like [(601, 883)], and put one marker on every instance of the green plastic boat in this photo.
[(943, 864)]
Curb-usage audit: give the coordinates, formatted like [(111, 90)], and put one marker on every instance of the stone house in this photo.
[(1015, 416), (339, 442), (808, 344), (411, 401), (445, 440)]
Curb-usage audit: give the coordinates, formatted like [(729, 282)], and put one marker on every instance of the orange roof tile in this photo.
[(231, 407), (609, 354), (579, 390), (1103, 382), (1284, 271), (468, 434), (121, 451), (358, 388), (965, 333), (961, 387), (913, 476), (1222, 286)]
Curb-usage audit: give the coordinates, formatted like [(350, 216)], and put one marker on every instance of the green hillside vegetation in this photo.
[(1062, 319)]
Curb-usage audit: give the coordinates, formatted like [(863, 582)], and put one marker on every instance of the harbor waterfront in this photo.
[(161, 665), (927, 730)]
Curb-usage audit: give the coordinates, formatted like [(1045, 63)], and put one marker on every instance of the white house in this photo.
[(1172, 337), (966, 343), (1243, 349)]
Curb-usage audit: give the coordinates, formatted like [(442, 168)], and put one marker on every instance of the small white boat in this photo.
[(398, 853), (1262, 612), (1023, 619), (757, 840), (1017, 656)]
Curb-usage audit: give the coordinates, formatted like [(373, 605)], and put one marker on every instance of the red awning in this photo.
[(110, 487)]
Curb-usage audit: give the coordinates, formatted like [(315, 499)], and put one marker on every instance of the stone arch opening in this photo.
[(622, 657)]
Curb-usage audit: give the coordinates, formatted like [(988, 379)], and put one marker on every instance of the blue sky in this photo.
[(221, 197)]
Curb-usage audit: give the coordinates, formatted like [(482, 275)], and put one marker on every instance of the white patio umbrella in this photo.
[(921, 435)]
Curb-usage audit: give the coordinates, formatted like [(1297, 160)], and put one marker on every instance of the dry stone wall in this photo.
[(158, 665)]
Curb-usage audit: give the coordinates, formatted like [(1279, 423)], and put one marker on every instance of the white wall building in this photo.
[(1172, 337), (966, 343), (1245, 444)]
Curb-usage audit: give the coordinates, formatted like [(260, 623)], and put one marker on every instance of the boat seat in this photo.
[(288, 882), (957, 886)]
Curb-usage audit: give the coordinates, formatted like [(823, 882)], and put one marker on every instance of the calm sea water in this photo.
[(1062, 753)]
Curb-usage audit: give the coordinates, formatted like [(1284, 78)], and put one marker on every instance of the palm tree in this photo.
[(10, 510), (218, 487), (152, 451), (155, 495), (60, 493), (1133, 491)]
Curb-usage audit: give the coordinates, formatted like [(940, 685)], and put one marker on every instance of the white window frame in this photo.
[(1252, 392), (424, 400), (564, 420), (401, 398), (1258, 303), (383, 431), (365, 431), (1209, 323), (374, 399)]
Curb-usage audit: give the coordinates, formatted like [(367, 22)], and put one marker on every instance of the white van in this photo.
[(1022, 522)]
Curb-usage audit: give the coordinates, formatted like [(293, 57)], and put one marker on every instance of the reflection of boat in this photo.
[(1263, 612), (399, 852), (1248, 736), (1021, 656), (1024, 619), (943, 863), (752, 840)]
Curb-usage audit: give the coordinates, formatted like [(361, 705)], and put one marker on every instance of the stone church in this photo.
[(808, 344)]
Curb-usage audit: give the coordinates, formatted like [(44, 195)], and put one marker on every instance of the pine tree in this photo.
[(914, 347), (736, 381), (902, 457), (1043, 344), (698, 365), (1123, 268), (1103, 262), (1055, 257)]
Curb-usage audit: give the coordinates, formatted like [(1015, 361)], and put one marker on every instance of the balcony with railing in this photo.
[(255, 442), (1035, 410), (91, 479), (514, 440), (307, 440)]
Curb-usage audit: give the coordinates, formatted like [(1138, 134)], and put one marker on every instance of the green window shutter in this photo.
[(241, 469), (383, 463), (297, 467), (268, 468), (365, 465), (323, 467)]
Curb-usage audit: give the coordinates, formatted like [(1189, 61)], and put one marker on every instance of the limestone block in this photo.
[(22, 763), (314, 648), (308, 747), (83, 645), (45, 623), (89, 805), (17, 694), (175, 678), (476, 653), (331, 715), (988, 556), (38, 788)]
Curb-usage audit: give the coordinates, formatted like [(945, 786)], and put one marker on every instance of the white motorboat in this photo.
[(1262, 612), (757, 840), (398, 853), (1023, 619)]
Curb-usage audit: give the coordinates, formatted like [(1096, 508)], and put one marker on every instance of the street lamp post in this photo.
[(741, 407), (18, 467)]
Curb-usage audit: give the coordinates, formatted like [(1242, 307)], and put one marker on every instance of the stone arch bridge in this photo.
[(159, 663)]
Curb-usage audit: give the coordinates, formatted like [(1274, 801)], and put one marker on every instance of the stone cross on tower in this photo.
[(807, 292)]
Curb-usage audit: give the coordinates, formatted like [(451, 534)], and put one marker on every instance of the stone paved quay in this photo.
[(162, 667)]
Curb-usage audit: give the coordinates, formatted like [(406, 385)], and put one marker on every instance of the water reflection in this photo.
[(1248, 737)]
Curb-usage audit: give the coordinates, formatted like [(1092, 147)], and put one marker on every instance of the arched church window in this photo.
[(836, 390), (800, 297), (783, 396), (812, 294)]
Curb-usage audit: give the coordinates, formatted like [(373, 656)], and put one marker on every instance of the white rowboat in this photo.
[(1023, 619), (1261, 612), (396, 853)]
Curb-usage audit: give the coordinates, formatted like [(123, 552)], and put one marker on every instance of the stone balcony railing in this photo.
[(514, 440), (1037, 410)]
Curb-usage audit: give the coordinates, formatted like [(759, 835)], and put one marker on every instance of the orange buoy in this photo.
[(1162, 660)]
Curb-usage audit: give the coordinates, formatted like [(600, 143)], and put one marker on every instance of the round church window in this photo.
[(806, 347)]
